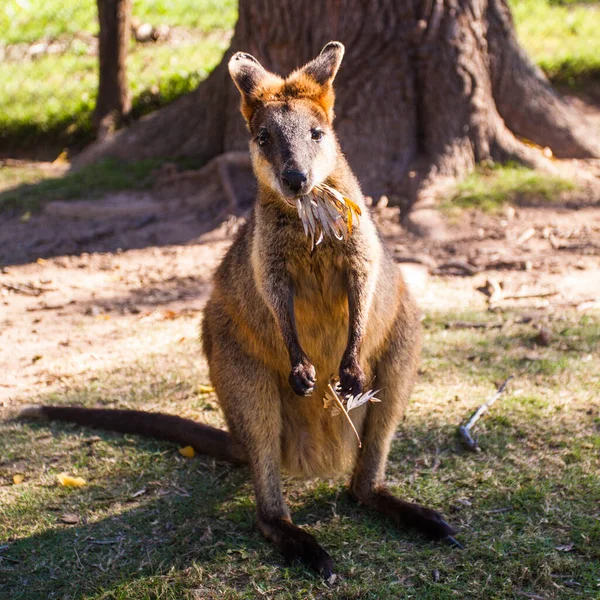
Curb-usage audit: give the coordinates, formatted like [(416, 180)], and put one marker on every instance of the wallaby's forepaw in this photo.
[(352, 378), (303, 378)]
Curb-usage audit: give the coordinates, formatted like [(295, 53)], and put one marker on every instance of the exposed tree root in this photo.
[(222, 187)]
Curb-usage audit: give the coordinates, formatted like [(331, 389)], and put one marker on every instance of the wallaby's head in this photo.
[(292, 143)]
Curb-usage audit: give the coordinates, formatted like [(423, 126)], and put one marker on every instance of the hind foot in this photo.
[(296, 544), (407, 514)]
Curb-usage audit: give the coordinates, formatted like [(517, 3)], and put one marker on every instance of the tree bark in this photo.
[(113, 103), (427, 87)]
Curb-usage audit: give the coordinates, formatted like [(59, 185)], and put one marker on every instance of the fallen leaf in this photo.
[(36, 358), (206, 536), (187, 451), (69, 481), (92, 440), (205, 389), (70, 518), (138, 493), (25, 217), (565, 547), (61, 159), (17, 479), (41, 261), (339, 405)]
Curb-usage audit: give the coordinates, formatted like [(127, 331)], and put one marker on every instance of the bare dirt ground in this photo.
[(80, 281)]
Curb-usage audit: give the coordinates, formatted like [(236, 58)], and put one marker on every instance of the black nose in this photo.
[(294, 180)]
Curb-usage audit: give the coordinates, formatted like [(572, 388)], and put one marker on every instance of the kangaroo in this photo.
[(284, 316)]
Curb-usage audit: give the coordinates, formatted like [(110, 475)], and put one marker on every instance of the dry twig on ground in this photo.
[(465, 430)]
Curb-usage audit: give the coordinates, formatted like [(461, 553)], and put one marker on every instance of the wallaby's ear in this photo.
[(247, 73), (320, 73), (324, 68), (251, 78)]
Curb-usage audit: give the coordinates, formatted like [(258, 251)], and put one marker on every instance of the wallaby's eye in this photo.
[(317, 134), (263, 137)]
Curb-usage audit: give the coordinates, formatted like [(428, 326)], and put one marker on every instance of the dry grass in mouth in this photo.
[(322, 213)]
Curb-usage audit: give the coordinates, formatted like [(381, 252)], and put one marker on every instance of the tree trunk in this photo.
[(113, 103), (426, 87)]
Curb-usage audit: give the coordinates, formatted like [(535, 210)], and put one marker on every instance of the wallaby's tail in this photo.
[(203, 438)]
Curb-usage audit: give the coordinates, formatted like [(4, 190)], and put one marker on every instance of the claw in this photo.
[(454, 543)]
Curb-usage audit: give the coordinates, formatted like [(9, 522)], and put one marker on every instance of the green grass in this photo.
[(561, 36), (28, 189), (52, 98), (33, 20), (54, 95), (190, 534), (491, 188)]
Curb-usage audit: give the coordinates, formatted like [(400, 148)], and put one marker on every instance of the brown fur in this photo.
[(298, 86), (282, 319)]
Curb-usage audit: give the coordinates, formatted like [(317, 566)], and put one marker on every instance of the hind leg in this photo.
[(250, 396), (395, 375)]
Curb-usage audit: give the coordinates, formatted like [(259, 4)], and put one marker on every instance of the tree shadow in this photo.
[(177, 523), (193, 291), (182, 513), (111, 206), (198, 514)]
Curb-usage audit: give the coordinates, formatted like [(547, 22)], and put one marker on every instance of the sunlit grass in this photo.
[(54, 96), (50, 100), (491, 188), (561, 37), (33, 20)]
